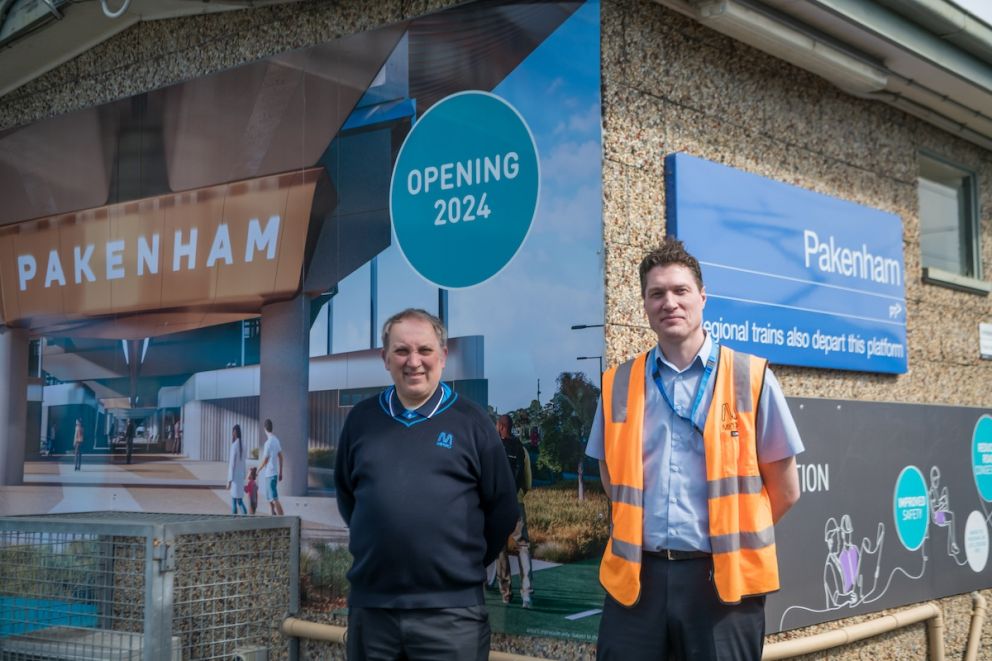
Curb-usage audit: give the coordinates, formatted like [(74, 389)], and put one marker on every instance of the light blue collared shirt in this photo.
[(676, 515)]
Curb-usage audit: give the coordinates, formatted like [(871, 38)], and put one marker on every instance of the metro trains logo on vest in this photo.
[(728, 419)]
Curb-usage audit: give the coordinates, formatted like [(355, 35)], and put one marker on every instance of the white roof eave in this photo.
[(925, 73)]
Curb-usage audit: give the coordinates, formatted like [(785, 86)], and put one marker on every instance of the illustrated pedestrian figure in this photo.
[(50, 440), (940, 509), (129, 441), (844, 570), (689, 559), (236, 471), (270, 470), (519, 460), (77, 444)]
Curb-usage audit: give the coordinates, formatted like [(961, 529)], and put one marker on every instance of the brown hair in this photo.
[(671, 251), (415, 313)]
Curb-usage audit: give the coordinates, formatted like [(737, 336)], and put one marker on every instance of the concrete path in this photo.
[(160, 483)]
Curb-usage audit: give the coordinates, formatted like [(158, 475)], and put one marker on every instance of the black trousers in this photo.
[(679, 617), (414, 634)]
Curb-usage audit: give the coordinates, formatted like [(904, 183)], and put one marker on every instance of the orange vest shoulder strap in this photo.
[(616, 389), (745, 369)]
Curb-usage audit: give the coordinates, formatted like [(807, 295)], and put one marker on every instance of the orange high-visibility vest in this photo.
[(741, 529)]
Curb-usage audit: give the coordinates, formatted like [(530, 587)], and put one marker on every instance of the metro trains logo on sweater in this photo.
[(444, 440)]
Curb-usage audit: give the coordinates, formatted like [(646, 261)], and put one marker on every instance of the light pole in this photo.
[(600, 359)]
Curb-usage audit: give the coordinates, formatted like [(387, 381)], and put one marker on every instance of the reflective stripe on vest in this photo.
[(623, 413), (741, 532)]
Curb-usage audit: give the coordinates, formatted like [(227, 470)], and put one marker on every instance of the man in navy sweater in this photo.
[(423, 483)]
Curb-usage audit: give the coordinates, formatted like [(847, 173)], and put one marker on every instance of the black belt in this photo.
[(673, 554)]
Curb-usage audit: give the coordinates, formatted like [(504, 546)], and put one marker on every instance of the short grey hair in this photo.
[(415, 313)]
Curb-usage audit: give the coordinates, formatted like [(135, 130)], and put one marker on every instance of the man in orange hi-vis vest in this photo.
[(697, 452)]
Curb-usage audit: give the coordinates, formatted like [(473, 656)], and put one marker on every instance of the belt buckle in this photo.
[(669, 556)]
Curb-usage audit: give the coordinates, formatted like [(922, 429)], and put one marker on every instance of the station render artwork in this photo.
[(195, 272)]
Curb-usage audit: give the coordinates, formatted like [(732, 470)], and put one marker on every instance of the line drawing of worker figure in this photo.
[(844, 569), (940, 511)]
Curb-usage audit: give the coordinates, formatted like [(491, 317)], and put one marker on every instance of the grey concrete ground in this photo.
[(158, 483)]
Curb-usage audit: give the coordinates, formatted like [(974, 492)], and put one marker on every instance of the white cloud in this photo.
[(572, 216), (585, 123), (572, 162)]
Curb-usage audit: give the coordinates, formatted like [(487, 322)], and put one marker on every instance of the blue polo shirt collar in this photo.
[(423, 412)]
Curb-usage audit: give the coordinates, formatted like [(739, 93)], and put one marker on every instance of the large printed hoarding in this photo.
[(896, 509), (792, 275), (204, 221), (147, 274)]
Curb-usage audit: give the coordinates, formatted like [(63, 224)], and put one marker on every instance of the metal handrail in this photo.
[(296, 627), (975, 631), (929, 613)]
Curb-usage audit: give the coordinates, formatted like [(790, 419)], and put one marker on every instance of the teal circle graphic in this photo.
[(981, 457), (465, 189), (911, 508)]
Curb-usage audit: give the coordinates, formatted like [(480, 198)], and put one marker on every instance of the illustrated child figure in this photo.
[(252, 489)]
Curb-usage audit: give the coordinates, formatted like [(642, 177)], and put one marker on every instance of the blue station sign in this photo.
[(794, 276)]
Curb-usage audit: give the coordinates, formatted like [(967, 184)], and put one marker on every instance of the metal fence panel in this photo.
[(133, 585)]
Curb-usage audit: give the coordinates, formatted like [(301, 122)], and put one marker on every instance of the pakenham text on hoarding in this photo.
[(145, 254)]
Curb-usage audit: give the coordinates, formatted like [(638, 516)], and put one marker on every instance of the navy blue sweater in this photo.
[(429, 501)]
